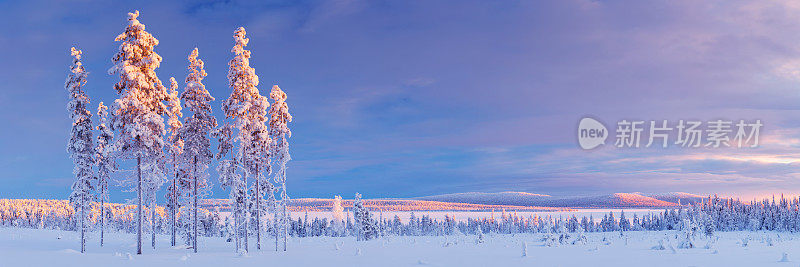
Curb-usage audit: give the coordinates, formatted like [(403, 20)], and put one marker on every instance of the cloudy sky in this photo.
[(412, 98)]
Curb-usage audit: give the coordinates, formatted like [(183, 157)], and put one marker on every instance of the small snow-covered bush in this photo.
[(580, 239), (785, 257), (480, 238), (688, 234), (659, 246), (563, 238), (550, 240), (711, 243), (524, 249)]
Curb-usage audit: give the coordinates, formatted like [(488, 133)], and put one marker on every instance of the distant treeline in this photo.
[(713, 214), (321, 204)]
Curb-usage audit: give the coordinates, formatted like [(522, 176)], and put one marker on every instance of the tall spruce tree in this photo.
[(138, 113), (245, 110), (279, 131), (175, 150), (195, 133), (80, 146), (106, 164)]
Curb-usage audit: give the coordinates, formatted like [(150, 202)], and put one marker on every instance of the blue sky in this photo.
[(411, 98)]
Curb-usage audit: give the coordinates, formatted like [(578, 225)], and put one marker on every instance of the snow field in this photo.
[(31, 247)]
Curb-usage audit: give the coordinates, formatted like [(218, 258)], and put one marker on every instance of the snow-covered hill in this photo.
[(616, 200), (509, 198), (674, 197)]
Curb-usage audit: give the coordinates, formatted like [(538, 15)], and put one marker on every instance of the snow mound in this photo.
[(69, 251)]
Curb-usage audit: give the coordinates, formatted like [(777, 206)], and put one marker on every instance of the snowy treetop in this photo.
[(197, 99), (279, 112), (174, 121), (80, 145), (247, 107), (138, 112), (245, 99), (74, 84)]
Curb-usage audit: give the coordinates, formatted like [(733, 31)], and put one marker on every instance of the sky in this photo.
[(414, 98)]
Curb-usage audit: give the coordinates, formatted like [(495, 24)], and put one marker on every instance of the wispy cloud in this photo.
[(407, 98)]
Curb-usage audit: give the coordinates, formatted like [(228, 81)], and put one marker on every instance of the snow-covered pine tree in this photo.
[(175, 150), (364, 225), (195, 133), (106, 165), (337, 212), (246, 110), (624, 224), (479, 239), (138, 113), (279, 131), (358, 215), (80, 144)]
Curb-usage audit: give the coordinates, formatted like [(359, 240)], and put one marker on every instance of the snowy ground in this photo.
[(27, 247)]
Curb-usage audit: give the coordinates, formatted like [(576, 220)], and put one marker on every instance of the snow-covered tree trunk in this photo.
[(246, 228), (285, 229), (258, 211), (80, 144), (83, 226), (153, 224), (139, 205), (261, 184), (174, 208), (102, 220), (138, 113), (194, 205)]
